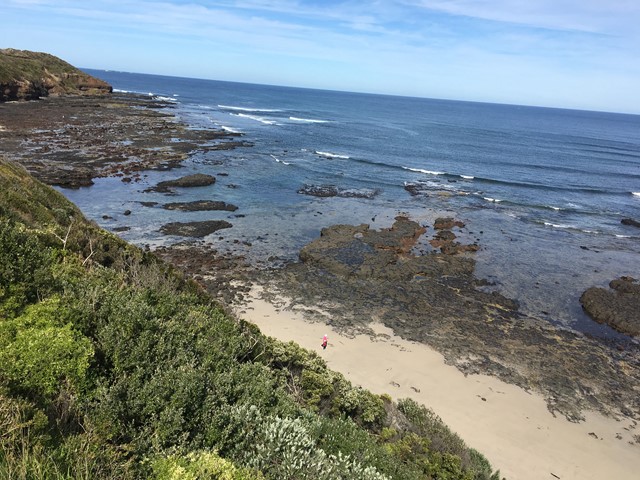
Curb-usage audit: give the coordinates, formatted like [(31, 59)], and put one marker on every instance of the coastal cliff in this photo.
[(26, 75)]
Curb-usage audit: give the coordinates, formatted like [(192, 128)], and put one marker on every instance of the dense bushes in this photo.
[(113, 366)]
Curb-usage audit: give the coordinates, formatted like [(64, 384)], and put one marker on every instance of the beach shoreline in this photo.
[(513, 428)]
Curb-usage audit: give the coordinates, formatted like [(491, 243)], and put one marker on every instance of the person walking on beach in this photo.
[(325, 341)]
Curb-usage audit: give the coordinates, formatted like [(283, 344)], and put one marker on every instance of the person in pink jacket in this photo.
[(325, 341)]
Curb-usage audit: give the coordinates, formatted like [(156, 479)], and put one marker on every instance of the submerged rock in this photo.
[(333, 191), (194, 229), (618, 307), (631, 222), (447, 223), (200, 205)]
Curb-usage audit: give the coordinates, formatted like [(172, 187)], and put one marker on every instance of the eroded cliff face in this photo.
[(26, 75)]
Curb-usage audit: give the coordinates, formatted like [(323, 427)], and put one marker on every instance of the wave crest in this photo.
[(422, 170), (331, 155), (307, 120), (249, 109)]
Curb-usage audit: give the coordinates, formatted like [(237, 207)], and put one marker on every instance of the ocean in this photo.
[(542, 190)]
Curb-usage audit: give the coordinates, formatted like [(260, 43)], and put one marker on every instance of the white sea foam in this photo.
[(229, 129), (117, 90), (421, 170), (553, 208), (492, 200), (556, 225), (623, 236), (332, 155), (254, 117), (166, 99), (565, 226), (467, 177), (279, 161), (248, 109), (307, 120), (635, 194)]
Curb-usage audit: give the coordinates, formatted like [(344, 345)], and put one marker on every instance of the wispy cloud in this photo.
[(595, 16)]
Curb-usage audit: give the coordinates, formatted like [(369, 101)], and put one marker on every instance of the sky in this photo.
[(582, 54)]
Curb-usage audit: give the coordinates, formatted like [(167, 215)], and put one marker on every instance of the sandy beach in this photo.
[(511, 427)]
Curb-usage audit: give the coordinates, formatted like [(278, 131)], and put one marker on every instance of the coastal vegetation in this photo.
[(113, 365)]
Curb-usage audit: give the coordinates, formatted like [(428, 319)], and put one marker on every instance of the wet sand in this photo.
[(511, 427)]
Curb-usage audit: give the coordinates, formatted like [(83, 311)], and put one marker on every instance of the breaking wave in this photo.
[(331, 155), (249, 109), (255, 117), (307, 120), (421, 170)]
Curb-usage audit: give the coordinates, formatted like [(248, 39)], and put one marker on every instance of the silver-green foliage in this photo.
[(284, 448)]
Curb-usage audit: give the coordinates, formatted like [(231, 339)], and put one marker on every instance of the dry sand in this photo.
[(511, 427)]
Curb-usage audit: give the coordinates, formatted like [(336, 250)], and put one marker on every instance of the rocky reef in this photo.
[(353, 275), (194, 229), (333, 191), (69, 141), (618, 307), (26, 75)]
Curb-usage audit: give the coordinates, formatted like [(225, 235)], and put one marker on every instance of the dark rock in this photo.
[(200, 205), (618, 307), (333, 191), (447, 223), (127, 212), (195, 180), (122, 229), (631, 222), (194, 229), (414, 189), (319, 190), (148, 204), (445, 235)]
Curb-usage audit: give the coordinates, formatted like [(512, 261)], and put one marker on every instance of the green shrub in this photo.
[(200, 465), (40, 354), (24, 268), (447, 444)]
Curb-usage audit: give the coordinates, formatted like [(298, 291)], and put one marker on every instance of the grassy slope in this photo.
[(113, 366), (44, 72), (18, 64)]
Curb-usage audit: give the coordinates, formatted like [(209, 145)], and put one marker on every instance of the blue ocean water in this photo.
[(542, 190)]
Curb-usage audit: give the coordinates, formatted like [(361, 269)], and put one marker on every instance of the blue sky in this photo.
[(566, 53)]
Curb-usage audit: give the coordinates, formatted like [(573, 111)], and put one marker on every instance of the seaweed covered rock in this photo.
[(618, 307), (195, 180), (194, 229)]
